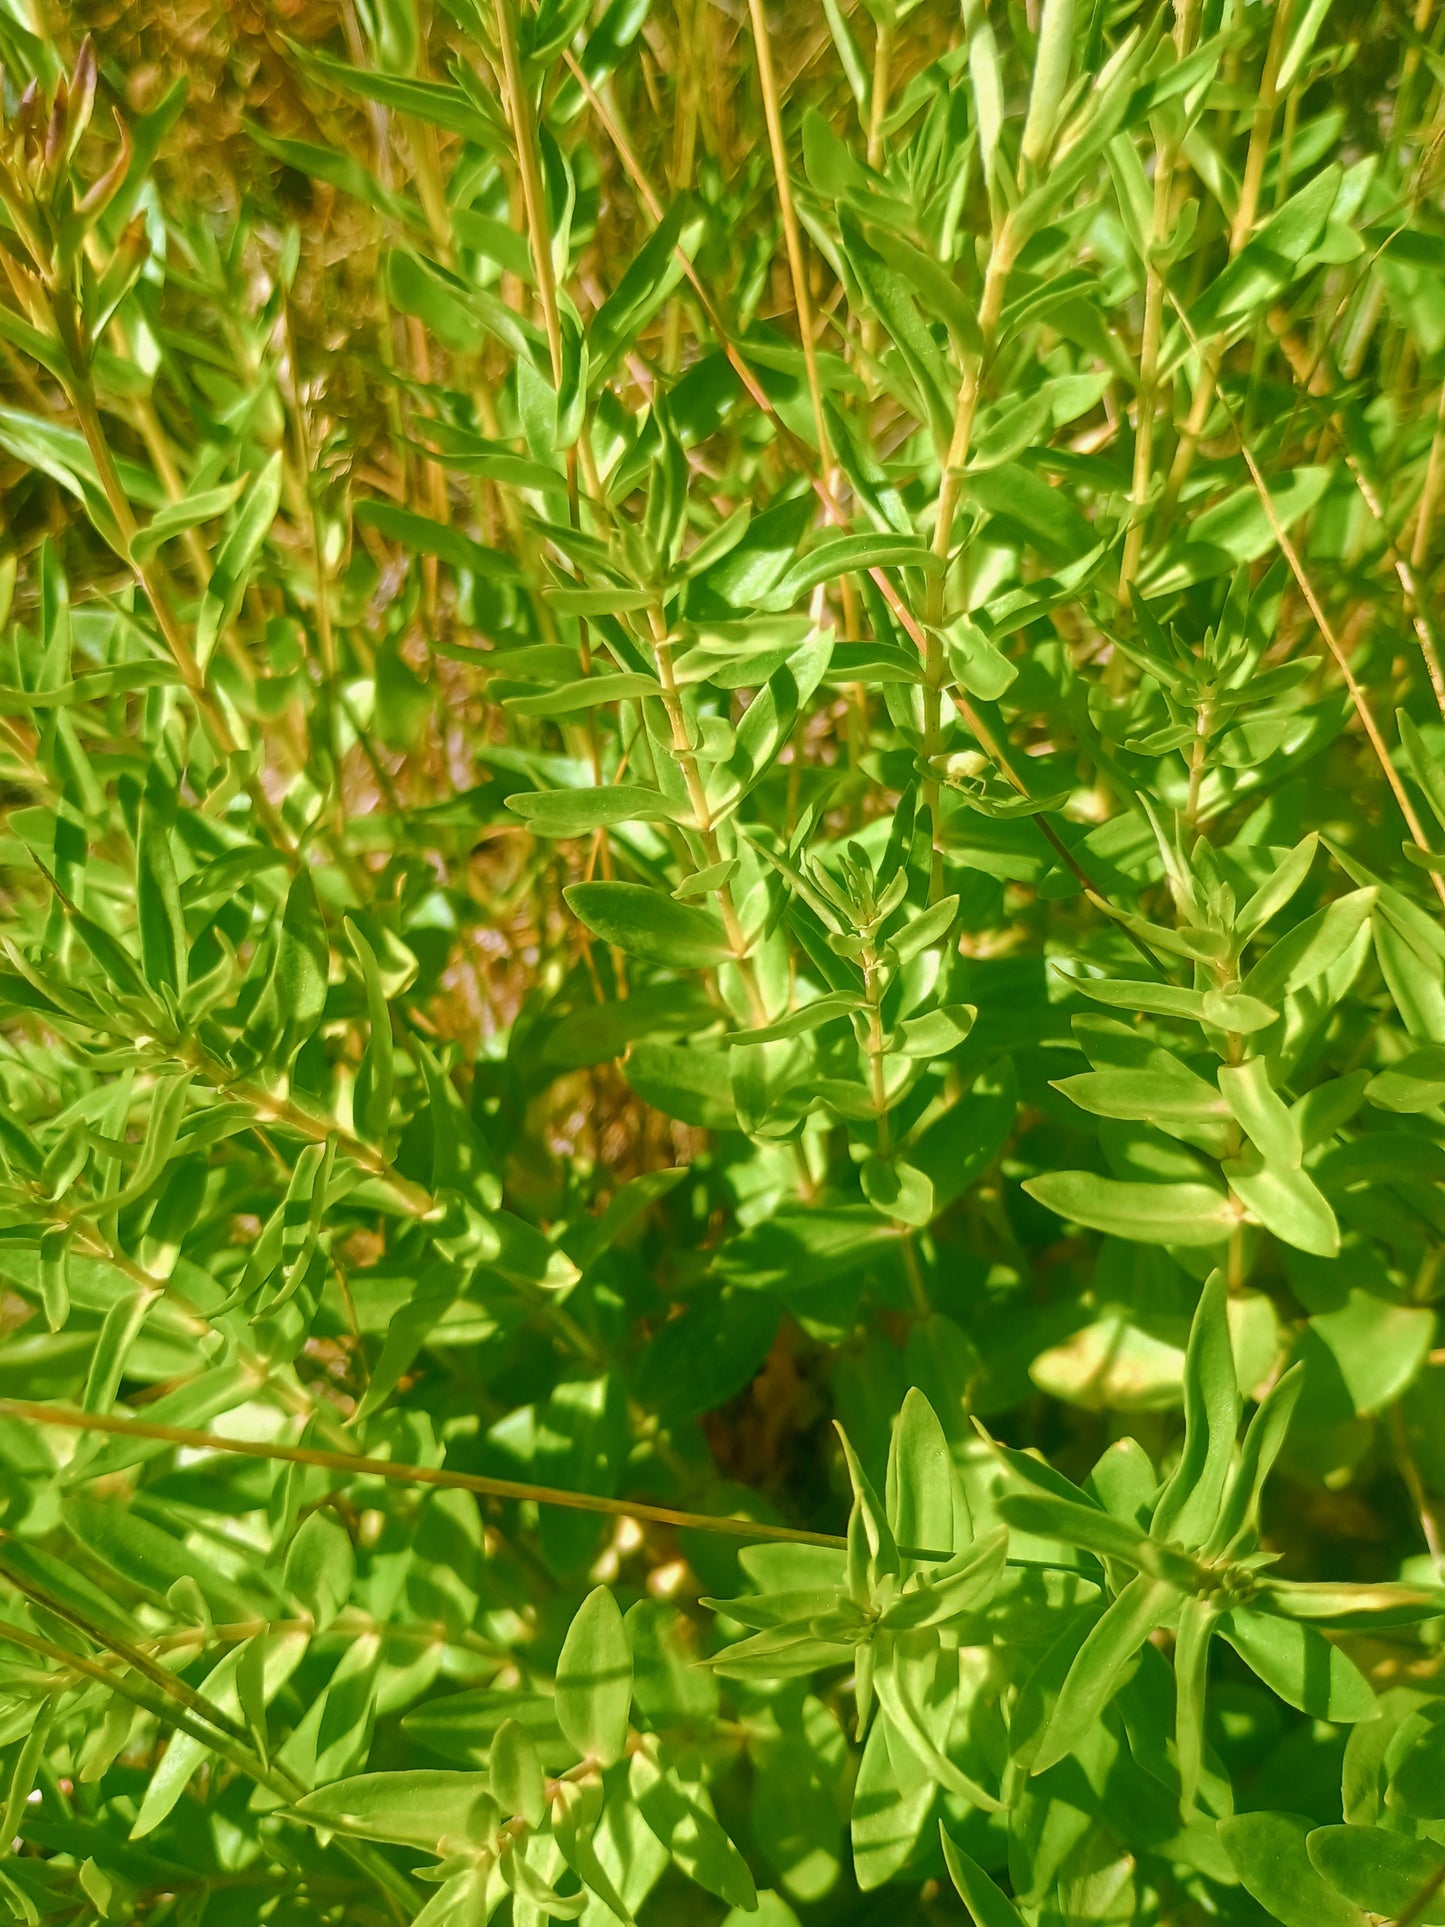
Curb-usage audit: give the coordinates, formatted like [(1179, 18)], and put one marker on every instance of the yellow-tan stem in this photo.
[(792, 233), (1240, 231)]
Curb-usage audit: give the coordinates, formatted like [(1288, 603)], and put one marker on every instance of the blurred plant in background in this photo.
[(715, 721)]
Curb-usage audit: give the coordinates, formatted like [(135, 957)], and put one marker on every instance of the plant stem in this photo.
[(1358, 698), (1146, 405), (702, 813), (82, 398), (400, 1473), (519, 113), (1240, 230), (1430, 491), (935, 665), (792, 234)]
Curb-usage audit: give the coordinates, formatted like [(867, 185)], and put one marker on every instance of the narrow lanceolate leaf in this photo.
[(232, 572), (163, 944), (1270, 1853), (1287, 1202), (676, 1815), (516, 1774), (908, 1721), (375, 1078), (964, 1585), (924, 1499), (1237, 1526), (576, 812), (302, 960), (1300, 1664), (1385, 1873), (654, 928), (575, 1813), (594, 1679), (1103, 1659), (1093, 1529), (1189, 1506), (1169, 1214), (1051, 78), (425, 1808), (982, 1898)]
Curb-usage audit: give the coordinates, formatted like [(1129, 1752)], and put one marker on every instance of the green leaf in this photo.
[(303, 960), (644, 286), (237, 558), (1101, 1663), (1241, 526), (118, 1332), (437, 1811), (1288, 1203), (1172, 1214), (1238, 1524), (1168, 1097), (515, 1773), (892, 1799), (976, 663), (374, 1080), (589, 692), (908, 1721), (982, 1898), (1043, 515), (843, 555), (203, 505), (1415, 1084), (891, 300), (924, 1500), (1299, 1664), (655, 928), (1197, 1622), (163, 946), (1189, 1505), (942, 1594), (670, 1687), (594, 1679), (1268, 1851), (436, 102), (1416, 1783), (868, 1525), (1260, 1112), (675, 1812), (577, 812), (420, 532), (338, 170), (1051, 79), (1276, 892), (575, 1811), (827, 1009), (1377, 1347), (1352, 1607), (685, 1082), (1045, 1517), (924, 930), (1173, 1000), (1385, 1873), (173, 1774), (1268, 262), (321, 1567)]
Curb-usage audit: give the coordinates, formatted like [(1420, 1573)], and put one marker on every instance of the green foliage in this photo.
[(722, 753)]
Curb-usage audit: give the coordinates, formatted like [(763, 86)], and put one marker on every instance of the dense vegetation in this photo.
[(722, 1015)]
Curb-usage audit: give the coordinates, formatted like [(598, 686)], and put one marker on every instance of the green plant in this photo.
[(711, 722)]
